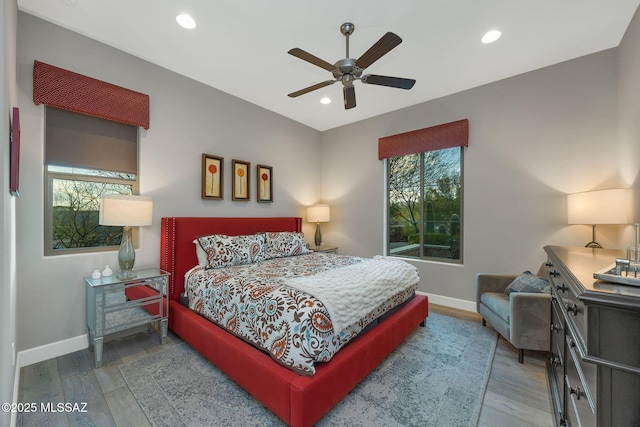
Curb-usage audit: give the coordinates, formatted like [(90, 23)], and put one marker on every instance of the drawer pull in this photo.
[(572, 308), (554, 273), (555, 327), (548, 264), (577, 392), (562, 288)]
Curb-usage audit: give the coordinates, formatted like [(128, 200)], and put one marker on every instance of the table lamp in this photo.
[(318, 213), (597, 207), (127, 212)]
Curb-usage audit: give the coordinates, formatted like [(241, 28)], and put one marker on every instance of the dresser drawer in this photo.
[(557, 329), (580, 406), (572, 308)]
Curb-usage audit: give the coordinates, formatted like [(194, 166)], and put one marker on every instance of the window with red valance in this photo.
[(424, 191)]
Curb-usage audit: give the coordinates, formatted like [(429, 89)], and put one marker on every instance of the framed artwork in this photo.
[(240, 181), (212, 177), (14, 153), (265, 183)]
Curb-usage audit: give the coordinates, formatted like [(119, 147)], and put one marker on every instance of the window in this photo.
[(85, 157), (425, 205)]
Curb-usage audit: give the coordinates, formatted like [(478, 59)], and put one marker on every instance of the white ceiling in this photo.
[(240, 46)]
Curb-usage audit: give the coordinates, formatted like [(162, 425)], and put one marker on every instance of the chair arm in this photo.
[(491, 283), (530, 317)]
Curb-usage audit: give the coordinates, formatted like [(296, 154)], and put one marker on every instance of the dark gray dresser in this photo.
[(594, 361)]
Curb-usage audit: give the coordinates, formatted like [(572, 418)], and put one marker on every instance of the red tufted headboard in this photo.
[(178, 253)]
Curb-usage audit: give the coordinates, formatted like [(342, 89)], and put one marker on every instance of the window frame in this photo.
[(387, 216)]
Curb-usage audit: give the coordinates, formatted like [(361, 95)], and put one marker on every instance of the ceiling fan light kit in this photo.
[(348, 70)]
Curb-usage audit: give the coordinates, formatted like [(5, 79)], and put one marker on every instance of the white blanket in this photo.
[(349, 293)]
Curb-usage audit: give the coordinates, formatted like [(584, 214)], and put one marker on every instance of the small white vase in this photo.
[(95, 274), (107, 271)]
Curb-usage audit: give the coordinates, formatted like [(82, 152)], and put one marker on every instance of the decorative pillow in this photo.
[(201, 254), (226, 251), (285, 243), (528, 282)]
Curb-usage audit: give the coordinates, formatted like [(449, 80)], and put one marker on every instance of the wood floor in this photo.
[(516, 395)]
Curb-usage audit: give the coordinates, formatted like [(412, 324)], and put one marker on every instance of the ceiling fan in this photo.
[(348, 70)]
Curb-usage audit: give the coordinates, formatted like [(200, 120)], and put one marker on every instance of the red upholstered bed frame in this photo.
[(298, 400)]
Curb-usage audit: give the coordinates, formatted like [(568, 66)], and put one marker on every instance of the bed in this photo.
[(297, 399)]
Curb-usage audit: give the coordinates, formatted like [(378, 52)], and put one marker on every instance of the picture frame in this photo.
[(241, 172), (212, 177), (264, 183), (14, 153)]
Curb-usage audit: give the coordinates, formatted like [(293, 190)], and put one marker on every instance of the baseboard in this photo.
[(460, 304), (49, 351)]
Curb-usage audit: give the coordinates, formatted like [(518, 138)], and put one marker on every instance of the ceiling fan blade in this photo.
[(311, 88), (396, 82), (381, 47), (349, 97), (306, 56)]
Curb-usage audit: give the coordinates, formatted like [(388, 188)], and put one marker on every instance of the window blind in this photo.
[(78, 140)]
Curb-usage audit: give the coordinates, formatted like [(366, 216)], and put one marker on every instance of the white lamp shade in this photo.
[(125, 211), (318, 213), (597, 207)]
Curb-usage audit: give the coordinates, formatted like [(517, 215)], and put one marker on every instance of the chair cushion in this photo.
[(528, 282), (498, 302)]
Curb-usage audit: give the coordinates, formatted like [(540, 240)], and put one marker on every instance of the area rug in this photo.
[(437, 377)]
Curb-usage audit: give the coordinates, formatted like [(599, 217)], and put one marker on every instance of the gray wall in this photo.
[(187, 119), (533, 139), (8, 99)]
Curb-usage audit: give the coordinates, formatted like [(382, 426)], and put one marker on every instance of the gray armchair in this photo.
[(521, 318)]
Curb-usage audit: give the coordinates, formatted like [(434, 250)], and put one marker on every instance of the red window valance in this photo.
[(448, 135), (71, 91)]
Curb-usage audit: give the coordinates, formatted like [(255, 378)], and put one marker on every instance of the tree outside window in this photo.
[(73, 211)]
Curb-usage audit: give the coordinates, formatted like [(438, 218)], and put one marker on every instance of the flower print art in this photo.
[(265, 183), (212, 177), (240, 182)]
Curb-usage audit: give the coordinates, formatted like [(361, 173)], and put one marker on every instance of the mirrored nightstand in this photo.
[(112, 313)]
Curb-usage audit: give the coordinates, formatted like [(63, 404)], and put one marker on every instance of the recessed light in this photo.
[(491, 36), (325, 100), (186, 21)]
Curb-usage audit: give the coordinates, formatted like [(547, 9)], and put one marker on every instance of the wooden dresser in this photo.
[(594, 362)]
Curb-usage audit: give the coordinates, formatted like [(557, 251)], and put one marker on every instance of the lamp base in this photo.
[(318, 236), (126, 274), (593, 243), (126, 255)]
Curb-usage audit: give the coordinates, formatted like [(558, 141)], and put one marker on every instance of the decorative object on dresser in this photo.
[(597, 207), (240, 181), (517, 307), (299, 400), (212, 177), (127, 212), (114, 309), (594, 364), (318, 213), (264, 176)]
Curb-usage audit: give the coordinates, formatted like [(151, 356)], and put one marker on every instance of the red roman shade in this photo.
[(70, 91), (448, 135)]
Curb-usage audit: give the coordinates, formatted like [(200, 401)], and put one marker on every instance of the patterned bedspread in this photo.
[(254, 303)]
